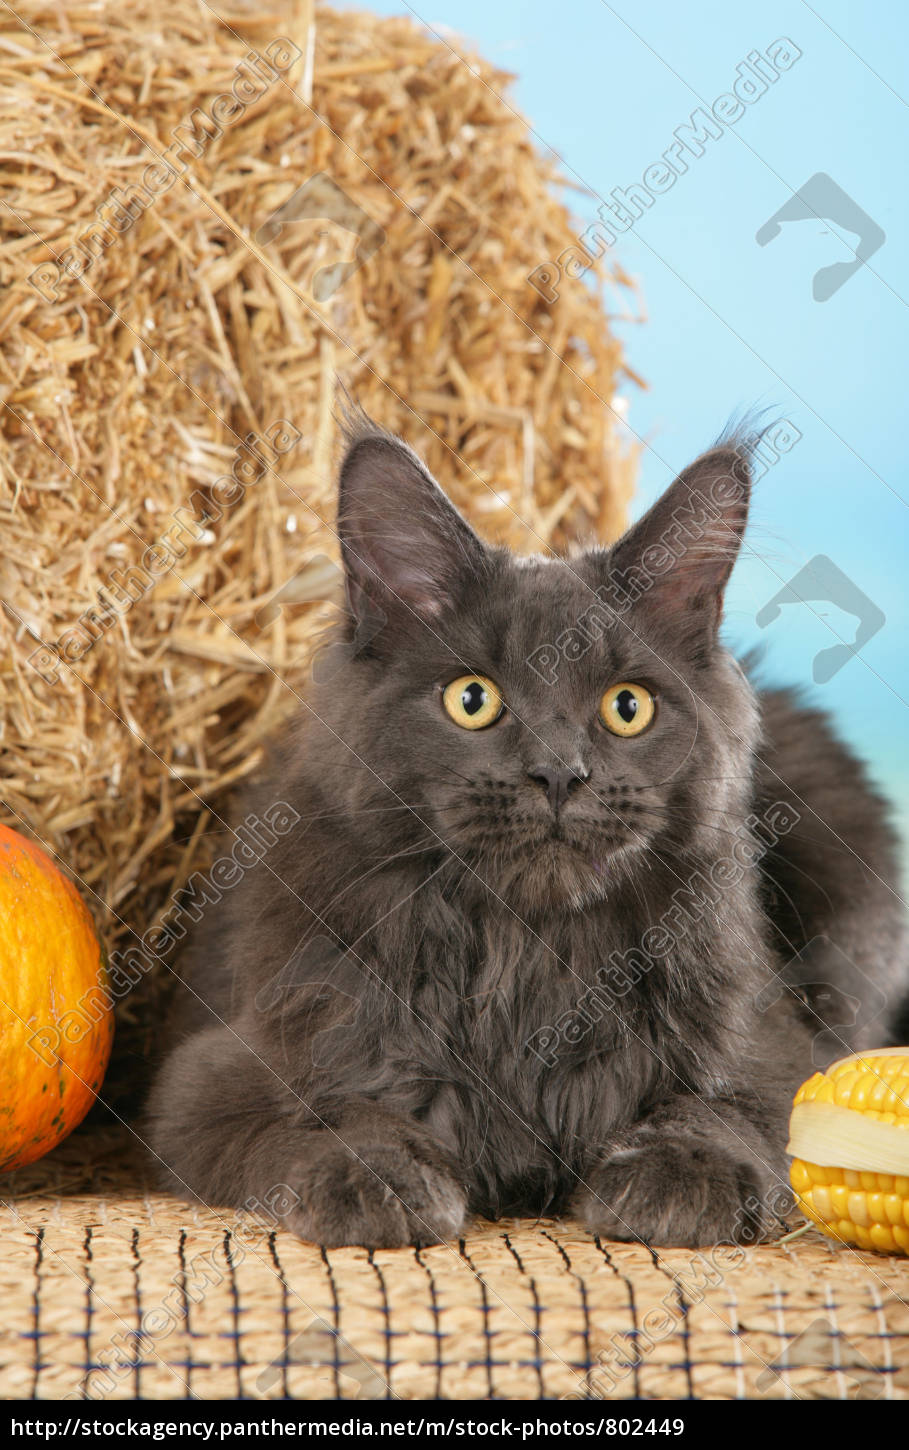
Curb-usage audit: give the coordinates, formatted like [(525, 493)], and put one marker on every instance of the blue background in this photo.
[(729, 323)]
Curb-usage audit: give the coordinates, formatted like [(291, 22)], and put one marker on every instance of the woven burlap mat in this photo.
[(112, 1290)]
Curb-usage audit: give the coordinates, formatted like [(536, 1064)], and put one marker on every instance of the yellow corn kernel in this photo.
[(849, 1137)]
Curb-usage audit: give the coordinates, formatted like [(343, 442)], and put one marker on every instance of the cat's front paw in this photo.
[(681, 1194), (381, 1198)]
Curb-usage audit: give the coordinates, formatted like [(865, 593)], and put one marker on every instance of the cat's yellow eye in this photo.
[(472, 701), (627, 709)]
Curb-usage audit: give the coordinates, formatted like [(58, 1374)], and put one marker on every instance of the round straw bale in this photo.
[(208, 219)]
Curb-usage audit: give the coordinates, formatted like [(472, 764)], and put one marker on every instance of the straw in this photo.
[(129, 388), (115, 1291)]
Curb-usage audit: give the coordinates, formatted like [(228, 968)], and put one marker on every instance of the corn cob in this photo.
[(849, 1137)]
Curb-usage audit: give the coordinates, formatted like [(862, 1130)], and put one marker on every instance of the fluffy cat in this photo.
[(574, 960)]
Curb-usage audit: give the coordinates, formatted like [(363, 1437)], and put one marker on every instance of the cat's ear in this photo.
[(405, 546), (679, 556)]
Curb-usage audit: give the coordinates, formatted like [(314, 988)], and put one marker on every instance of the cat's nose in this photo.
[(558, 781)]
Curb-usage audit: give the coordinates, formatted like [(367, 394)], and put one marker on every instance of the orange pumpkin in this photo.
[(56, 1014)]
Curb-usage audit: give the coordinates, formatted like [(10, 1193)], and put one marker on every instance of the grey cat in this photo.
[(569, 911)]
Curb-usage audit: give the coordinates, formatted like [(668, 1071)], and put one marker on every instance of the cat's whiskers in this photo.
[(364, 811), (681, 813), (349, 947), (690, 780), (687, 820), (668, 813), (798, 915), (429, 845), (440, 765), (425, 882), (802, 872), (809, 840), (814, 841), (315, 816)]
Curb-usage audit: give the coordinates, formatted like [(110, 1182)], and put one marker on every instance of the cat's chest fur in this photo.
[(529, 1064)]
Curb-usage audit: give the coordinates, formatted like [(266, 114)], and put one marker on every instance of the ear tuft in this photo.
[(679, 556), (353, 420)]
